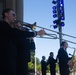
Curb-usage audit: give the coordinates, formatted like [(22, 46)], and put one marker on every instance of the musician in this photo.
[(11, 44), (63, 59), (43, 65), (52, 62)]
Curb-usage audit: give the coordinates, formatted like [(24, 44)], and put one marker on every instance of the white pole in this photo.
[(35, 61), (35, 64)]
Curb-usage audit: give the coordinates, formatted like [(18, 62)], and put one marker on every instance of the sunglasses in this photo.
[(14, 15)]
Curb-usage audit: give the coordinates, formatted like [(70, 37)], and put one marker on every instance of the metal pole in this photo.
[(60, 34), (59, 26), (35, 64)]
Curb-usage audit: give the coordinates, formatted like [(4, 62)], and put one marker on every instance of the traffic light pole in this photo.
[(59, 26), (58, 12), (60, 33)]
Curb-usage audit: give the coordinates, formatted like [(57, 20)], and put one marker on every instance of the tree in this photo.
[(31, 65)]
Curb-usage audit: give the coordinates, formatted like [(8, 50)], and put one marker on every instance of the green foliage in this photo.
[(37, 61), (57, 67), (38, 67), (30, 66), (48, 69)]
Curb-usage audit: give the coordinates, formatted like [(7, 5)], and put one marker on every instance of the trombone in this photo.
[(53, 36)]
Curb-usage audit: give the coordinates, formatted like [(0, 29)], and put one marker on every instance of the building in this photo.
[(17, 5)]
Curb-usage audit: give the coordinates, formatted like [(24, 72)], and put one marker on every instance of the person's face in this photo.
[(66, 45), (43, 58), (52, 55), (11, 16)]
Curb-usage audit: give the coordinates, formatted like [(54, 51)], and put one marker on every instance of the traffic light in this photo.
[(61, 9), (54, 9), (58, 13), (55, 15), (62, 24), (54, 2), (55, 26), (57, 22)]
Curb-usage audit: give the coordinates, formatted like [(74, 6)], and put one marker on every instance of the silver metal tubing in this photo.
[(54, 36)]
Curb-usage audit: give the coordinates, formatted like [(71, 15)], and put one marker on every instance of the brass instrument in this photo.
[(25, 25), (51, 36), (32, 27), (72, 62)]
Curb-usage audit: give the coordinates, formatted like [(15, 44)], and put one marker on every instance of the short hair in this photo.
[(43, 57), (51, 53), (62, 44), (6, 11)]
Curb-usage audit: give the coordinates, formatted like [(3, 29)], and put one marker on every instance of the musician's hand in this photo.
[(18, 25), (41, 32), (70, 64)]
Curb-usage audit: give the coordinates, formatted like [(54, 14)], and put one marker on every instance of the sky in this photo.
[(40, 11)]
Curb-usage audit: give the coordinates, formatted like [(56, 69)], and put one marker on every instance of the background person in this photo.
[(52, 62), (63, 59), (43, 65)]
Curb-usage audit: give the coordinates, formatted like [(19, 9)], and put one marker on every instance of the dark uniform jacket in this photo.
[(52, 62), (43, 67), (10, 40), (63, 60)]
